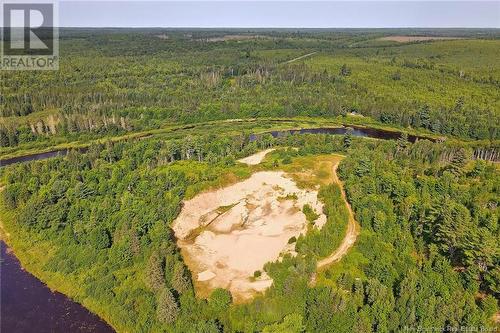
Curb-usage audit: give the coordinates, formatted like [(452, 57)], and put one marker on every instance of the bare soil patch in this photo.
[(255, 158), (226, 235)]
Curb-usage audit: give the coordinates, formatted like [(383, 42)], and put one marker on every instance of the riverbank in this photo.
[(255, 125), (27, 302), (32, 255)]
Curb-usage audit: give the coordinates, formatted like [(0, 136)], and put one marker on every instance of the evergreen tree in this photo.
[(347, 141), (4, 137), (424, 116), (458, 161), (154, 272), (180, 279), (167, 309), (403, 143)]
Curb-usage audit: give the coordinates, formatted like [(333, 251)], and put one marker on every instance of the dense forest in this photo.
[(164, 114), (143, 79), (427, 256)]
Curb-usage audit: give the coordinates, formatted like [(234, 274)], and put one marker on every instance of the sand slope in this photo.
[(227, 234)]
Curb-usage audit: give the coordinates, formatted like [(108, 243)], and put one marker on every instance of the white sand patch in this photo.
[(206, 275), (251, 226), (320, 222), (255, 158)]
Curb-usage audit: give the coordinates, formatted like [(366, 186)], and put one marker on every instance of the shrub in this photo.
[(219, 300), (99, 238)]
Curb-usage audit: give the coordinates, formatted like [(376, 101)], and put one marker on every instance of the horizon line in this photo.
[(250, 27)]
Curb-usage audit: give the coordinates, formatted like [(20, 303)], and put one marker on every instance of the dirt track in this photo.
[(352, 226), (351, 233), (301, 57)]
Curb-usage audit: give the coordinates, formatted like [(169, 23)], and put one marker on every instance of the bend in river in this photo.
[(357, 131), (367, 132)]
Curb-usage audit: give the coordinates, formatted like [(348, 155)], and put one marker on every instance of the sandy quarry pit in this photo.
[(226, 235)]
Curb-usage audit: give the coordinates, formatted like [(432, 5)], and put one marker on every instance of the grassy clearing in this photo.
[(308, 171)]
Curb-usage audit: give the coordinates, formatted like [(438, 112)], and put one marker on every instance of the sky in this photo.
[(280, 14), (301, 14)]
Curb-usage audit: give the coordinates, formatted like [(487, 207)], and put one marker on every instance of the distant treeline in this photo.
[(114, 81)]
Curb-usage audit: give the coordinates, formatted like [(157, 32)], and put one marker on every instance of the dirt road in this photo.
[(301, 57), (352, 229)]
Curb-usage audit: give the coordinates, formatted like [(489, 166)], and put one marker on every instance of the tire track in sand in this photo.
[(351, 233)]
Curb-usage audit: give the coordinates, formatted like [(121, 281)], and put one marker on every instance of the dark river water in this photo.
[(33, 157), (29, 306), (356, 131)]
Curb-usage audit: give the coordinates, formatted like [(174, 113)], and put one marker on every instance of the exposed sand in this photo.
[(227, 234), (407, 39), (256, 158)]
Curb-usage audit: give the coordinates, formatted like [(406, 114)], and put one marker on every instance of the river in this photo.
[(365, 132), (356, 131), (27, 305)]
